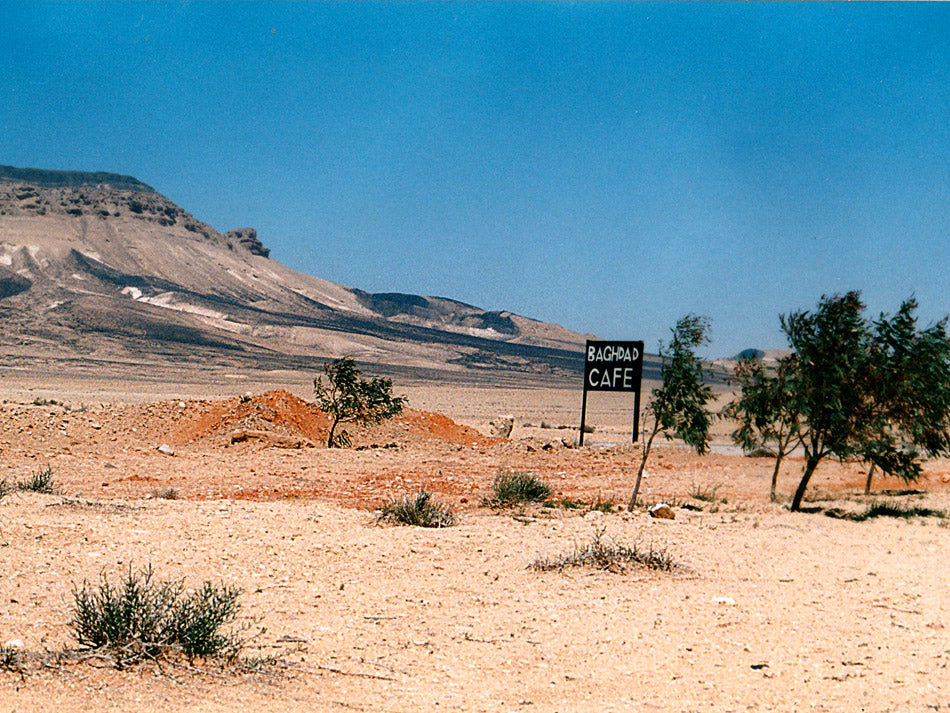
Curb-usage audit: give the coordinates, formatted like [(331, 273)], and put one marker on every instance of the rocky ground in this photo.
[(765, 610)]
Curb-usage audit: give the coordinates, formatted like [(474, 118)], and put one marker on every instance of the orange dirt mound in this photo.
[(281, 412), (276, 411)]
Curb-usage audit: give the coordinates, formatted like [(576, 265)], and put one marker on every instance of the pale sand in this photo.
[(834, 615)]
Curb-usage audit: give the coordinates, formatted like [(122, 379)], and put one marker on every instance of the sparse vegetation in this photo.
[(9, 658), (600, 505), (888, 509), (706, 495), (419, 510), (140, 618), (4, 488), (610, 556), (165, 494), (40, 482), (348, 398), (678, 407), (764, 409), (516, 488)]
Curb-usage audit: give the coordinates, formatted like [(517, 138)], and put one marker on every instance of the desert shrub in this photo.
[(604, 506), (514, 487), (887, 509), (40, 482), (610, 556), (419, 510), (706, 495), (4, 488), (165, 494), (140, 618), (9, 658)]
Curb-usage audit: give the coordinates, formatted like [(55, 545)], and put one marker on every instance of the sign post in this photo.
[(613, 366)]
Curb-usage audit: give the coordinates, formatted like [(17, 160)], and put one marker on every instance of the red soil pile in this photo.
[(280, 412), (276, 411)]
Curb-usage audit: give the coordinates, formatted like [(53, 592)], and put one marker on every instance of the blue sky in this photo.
[(609, 167)]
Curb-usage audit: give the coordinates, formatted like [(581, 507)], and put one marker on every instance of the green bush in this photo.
[(514, 488), (40, 482), (419, 510), (140, 618)]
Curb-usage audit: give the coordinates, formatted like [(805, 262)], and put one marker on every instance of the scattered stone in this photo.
[(594, 515), (272, 439), (567, 443), (662, 511), (166, 449), (13, 644), (726, 601), (501, 426)]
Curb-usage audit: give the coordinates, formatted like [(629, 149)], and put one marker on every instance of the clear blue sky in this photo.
[(609, 167)]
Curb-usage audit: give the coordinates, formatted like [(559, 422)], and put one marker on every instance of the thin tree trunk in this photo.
[(810, 466), (867, 485), (778, 465), (330, 443), (643, 461)]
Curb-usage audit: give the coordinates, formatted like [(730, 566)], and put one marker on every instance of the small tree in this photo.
[(831, 394), (911, 388), (879, 391), (348, 398), (678, 408), (763, 409)]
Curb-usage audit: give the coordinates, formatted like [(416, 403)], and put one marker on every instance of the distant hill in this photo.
[(72, 179), (99, 266)]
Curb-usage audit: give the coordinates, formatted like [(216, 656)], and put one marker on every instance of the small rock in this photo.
[(662, 511), (13, 644), (96, 426), (501, 426), (166, 449), (567, 442), (593, 515), (726, 601)]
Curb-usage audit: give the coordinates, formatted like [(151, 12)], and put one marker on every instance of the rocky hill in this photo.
[(102, 267)]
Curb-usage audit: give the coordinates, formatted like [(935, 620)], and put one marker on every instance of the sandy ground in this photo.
[(767, 610)]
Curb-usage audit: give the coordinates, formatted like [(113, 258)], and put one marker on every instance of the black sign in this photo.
[(613, 366)]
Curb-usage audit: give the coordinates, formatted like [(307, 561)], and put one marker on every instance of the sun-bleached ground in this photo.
[(768, 610)]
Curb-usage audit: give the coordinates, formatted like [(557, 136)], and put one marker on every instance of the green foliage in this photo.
[(514, 488), (140, 618), (878, 391), (609, 556), (678, 407), (911, 393), (419, 510), (349, 398), (767, 419), (40, 482)]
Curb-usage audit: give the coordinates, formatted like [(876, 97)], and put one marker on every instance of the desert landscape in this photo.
[(157, 410), (764, 609)]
